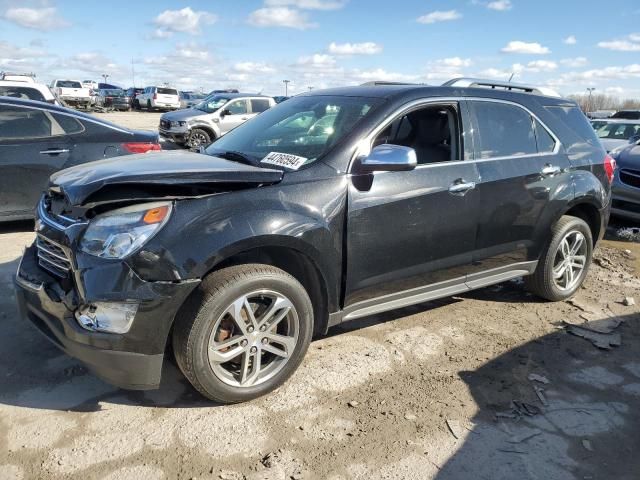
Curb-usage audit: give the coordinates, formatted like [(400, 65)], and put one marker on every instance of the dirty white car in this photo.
[(72, 93)]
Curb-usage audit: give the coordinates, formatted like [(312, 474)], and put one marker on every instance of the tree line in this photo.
[(602, 101)]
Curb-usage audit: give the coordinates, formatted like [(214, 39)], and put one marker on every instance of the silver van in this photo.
[(216, 115)]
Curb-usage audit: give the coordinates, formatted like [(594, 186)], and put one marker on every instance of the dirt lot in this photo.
[(441, 390)]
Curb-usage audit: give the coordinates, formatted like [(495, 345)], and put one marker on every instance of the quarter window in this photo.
[(503, 130), (68, 124), (546, 143)]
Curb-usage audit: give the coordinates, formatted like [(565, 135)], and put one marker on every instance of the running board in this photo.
[(432, 292)]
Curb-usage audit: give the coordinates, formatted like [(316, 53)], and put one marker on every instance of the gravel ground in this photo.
[(442, 390)]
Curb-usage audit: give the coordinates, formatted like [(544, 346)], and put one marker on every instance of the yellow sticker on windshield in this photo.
[(286, 160)]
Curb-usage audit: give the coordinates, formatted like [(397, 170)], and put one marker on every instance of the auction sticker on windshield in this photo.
[(286, 160)]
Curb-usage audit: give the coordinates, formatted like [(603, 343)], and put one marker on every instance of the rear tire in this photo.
[(565, 261), (149, 107), (231, 354)]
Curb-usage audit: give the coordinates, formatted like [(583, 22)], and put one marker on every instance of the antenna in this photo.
[(511, 77)]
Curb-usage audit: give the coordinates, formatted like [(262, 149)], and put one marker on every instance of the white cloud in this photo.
[(253, 67), (447, 68), (317, 60), (439, 16), (455, 62), (308, 4), (280, 17), (161, 34), (620, 46), (185, 20), (365, 48), (379, 74), (532, 48), (570, 40), (46, 18), (576, 62), (541, 66), (500, 5)]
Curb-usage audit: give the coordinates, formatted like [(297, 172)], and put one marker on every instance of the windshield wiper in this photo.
[(234, 156)]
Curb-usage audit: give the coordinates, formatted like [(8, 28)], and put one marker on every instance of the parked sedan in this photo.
[(115, 99), (626, 183), (38, 139), (617, 133)]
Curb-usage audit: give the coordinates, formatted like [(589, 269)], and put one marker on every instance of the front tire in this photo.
[(198, 138), (565, 261), (243, 332)]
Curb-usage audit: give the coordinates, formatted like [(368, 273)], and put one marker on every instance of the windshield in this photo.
[(68, 84), (114, 93), (300, 130), (618, 131), (211, 104)]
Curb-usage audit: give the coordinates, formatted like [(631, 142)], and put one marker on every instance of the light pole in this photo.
[(286, 87), (590, 105), (105, 76)]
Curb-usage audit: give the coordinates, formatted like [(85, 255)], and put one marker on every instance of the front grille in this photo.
[(165, 124), (630, 177), (52, 257)]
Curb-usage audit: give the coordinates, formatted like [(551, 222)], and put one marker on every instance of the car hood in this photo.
[(171, 174), (629, 157), (611, 143), (182, 115)]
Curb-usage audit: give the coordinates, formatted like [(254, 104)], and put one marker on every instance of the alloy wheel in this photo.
[(253, 339), (197, 139), (570, 260)]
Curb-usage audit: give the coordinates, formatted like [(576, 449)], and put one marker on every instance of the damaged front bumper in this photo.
[(131, 360)]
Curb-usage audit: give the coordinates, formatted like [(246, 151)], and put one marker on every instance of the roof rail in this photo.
[(377, 83), (497, 84)]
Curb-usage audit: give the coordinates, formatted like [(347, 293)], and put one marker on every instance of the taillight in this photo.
[(609, 167), (141, 147), (155, 96)]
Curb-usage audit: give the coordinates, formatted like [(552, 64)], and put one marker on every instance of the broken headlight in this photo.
[(119, 233)]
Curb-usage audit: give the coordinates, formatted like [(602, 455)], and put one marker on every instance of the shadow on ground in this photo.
[(582, 424)]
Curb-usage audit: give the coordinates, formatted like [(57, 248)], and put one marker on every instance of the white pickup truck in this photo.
[(72, 93)]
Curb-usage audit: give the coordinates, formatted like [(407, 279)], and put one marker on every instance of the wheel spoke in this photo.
[(288, 342), (277, 311), (565, 249), (577, 244), (250, 315), (250, 368), (217, 355), (276, 351), (580, 260), (235, 311), (559, 270)]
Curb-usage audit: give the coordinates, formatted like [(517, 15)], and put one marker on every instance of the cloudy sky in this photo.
[(255, 44)]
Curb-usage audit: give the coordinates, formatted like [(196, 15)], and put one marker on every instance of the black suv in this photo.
[(331, 206)]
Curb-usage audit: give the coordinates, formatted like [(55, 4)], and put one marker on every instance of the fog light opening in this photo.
[(107, 317)]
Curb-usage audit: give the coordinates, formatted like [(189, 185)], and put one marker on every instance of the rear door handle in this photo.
[(461, 187), (54, 151), (550, 170)]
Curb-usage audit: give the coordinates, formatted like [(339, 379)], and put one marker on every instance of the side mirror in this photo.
[(225, 112), (387, 158)]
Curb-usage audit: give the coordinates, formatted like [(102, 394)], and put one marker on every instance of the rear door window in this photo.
[(68, 124), (167, 91), (22, 92), (546, 143), (259, 105), (503, 130)]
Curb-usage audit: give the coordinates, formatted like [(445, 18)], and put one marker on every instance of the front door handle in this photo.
[(550, 170), (461, 187), (54, 151)]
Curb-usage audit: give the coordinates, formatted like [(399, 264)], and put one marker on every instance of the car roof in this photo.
[(55, 108), (238, 95), (413, 91), (16, 83)]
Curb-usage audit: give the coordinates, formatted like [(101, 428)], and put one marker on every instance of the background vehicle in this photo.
[(189, 99), (281, 99), (115, 99), (38, 139), (616, 133), (30, 91), (161, 98), (108, 86), (90, 84), (72, 93), (18, 77), (282, 229), (211, 118), (627, 114), (132, 93), (626, 184)]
